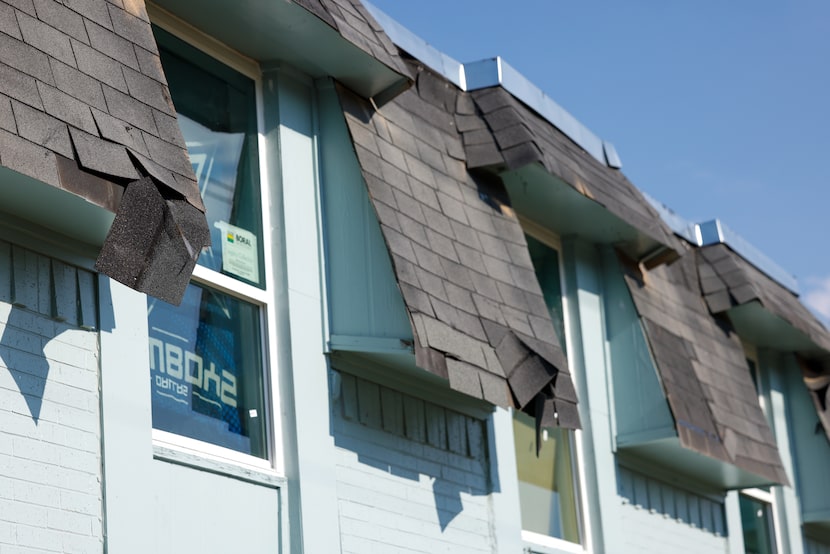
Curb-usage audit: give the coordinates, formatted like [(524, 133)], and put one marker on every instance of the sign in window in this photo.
[(206, 373)]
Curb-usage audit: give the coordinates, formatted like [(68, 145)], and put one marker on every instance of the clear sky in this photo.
[(720, 109)]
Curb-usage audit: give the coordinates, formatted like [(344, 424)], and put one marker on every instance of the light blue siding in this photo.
[(364, 299)]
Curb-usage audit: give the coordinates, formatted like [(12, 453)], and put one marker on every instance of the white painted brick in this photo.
[(23, 513), (38, 537), (34, 493), (7, 533), (36, 450), (77, 544), (79, 502), (69, 521)]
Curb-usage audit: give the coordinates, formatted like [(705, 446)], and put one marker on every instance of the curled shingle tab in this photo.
[(459, 253), (91, 116), (703, 369)]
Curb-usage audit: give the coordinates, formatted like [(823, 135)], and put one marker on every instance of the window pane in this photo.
[(546, 263), (206, 370), (217, 115), (547, 493), (756, 520)]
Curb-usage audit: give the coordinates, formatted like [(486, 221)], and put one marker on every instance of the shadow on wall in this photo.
[(42, 299), (439, 453), (701, 512)]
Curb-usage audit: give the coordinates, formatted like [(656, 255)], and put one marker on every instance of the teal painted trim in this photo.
[(126, 419), (735, 535), (62, 213), (818, 516), (309, 454), (772, 379), (363, 294), (587, 355), (370, 344), (399, 372), (641, 438), (507, 519), (641, 409)]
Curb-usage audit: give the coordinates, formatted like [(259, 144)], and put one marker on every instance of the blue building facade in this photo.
[(281, 277)]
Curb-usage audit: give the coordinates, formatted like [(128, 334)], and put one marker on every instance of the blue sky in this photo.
[(718, 109)]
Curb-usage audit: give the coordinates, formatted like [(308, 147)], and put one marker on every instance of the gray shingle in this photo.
[(25, 58), (112, 45), (149, 91), (132, 28), (150, 64), (130, 110), (6, 115), (28, 158), (168, 155), (8, 22), (66, 108), (42, 129), (97, 65), (103, 156), (46, 38), (120, 132), (61, 18), (77, 84), (91, 9)]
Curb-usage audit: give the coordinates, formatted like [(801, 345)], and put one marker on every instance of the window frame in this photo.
[(538, 543), (760, 495), (263, 299)]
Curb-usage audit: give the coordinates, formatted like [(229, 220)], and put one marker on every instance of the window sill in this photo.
[(242, 472), (534, 543)]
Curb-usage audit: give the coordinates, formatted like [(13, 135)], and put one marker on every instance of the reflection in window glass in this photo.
[(757, 524), (216, 109), (546, 264), (546, 482), (206, 370)]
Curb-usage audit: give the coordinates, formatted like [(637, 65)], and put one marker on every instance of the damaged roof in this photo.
[(510, 135), (459, 254), (703, 369), (84, 107), (354, 23), (728, 280)]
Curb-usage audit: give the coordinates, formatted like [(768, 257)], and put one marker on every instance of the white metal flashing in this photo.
[(717, 232), (496, 72)]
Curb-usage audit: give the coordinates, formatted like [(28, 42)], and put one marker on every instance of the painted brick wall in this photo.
[(659, 517), (411, 475), (50, 484)]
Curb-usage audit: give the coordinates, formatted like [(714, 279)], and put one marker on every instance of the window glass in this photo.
[(216, 109), (546, 264), (206, 370), (757, 524), (547, 493)]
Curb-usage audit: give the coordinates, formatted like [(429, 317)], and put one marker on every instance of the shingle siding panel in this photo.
[(46, 39)]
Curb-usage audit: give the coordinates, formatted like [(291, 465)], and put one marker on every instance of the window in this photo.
[(207, 356), (547, 481), (757, 522)]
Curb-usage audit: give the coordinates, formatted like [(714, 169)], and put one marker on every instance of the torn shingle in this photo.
[(702, 368), (70, 119), (450, 238), (153, 243)]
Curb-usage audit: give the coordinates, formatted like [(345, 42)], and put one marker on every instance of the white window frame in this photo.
[(751, 353), (538, 543), (263, 299)]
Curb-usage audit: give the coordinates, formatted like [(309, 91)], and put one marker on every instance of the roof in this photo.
[(84, 107), (356, 24), (459, 253), (511, 135), (703, 369)]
